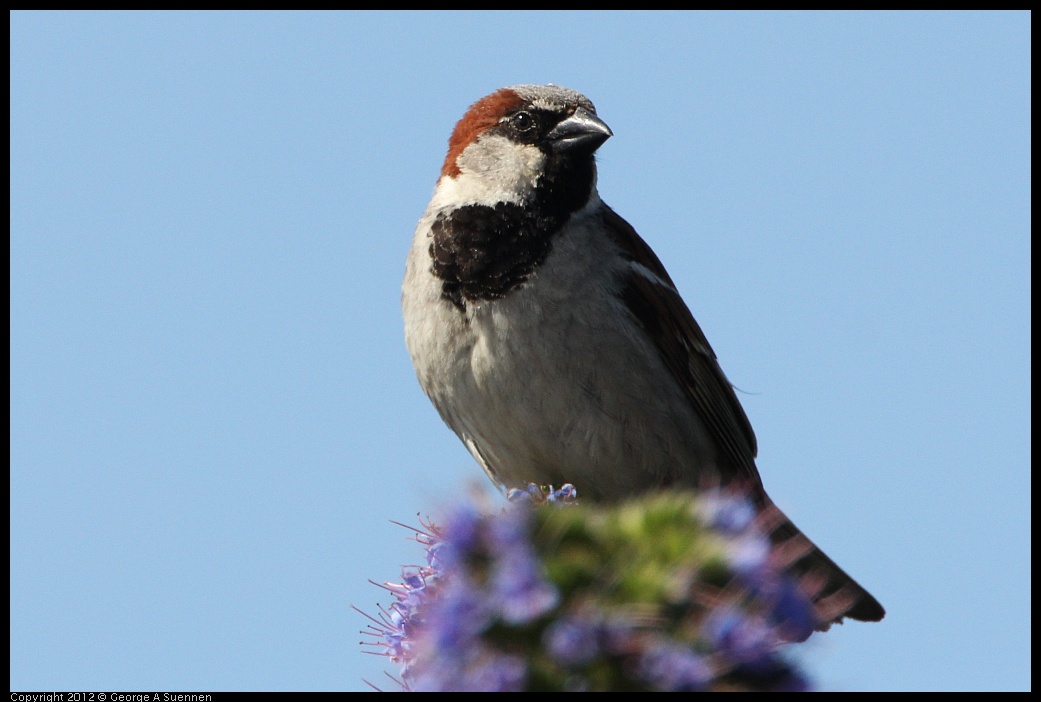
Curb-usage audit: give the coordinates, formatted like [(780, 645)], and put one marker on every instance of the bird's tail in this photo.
[(836, 594)]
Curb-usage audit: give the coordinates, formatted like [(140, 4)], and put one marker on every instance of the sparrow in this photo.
[(553, 342)]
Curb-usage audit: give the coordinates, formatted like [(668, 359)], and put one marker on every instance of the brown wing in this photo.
[(662, 314)]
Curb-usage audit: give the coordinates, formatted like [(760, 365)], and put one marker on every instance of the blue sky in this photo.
[(214, 418)]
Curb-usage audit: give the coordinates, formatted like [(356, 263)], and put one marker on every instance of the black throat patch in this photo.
[(482, 252)]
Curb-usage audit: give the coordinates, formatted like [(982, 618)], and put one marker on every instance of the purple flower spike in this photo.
[(744, 639), (729, 514), (673, 668), (530, 597), (573, 641)]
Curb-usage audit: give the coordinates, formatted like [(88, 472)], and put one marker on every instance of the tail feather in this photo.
[(837, 595)]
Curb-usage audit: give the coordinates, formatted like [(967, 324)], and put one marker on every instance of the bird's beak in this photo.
[(582, 131)]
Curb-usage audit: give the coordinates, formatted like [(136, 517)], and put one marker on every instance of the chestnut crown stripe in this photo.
[(482, 115)]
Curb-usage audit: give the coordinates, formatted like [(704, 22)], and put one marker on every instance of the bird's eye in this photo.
[(523, 121)]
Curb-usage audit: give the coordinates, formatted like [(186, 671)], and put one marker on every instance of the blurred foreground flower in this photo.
[(669, 592)]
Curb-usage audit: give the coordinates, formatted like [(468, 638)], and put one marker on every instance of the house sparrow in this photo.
[(553, 342)]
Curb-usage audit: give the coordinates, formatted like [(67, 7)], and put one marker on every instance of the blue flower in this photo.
[(673, 668), (789, 609), (729, 514), (588, 599), (745, 639), (454, 619), (573, 641), (520, 590)]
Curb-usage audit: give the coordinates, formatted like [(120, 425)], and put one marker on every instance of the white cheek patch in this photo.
[(493, 169)]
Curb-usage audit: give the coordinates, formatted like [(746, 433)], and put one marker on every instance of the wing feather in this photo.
[(656, 305)]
